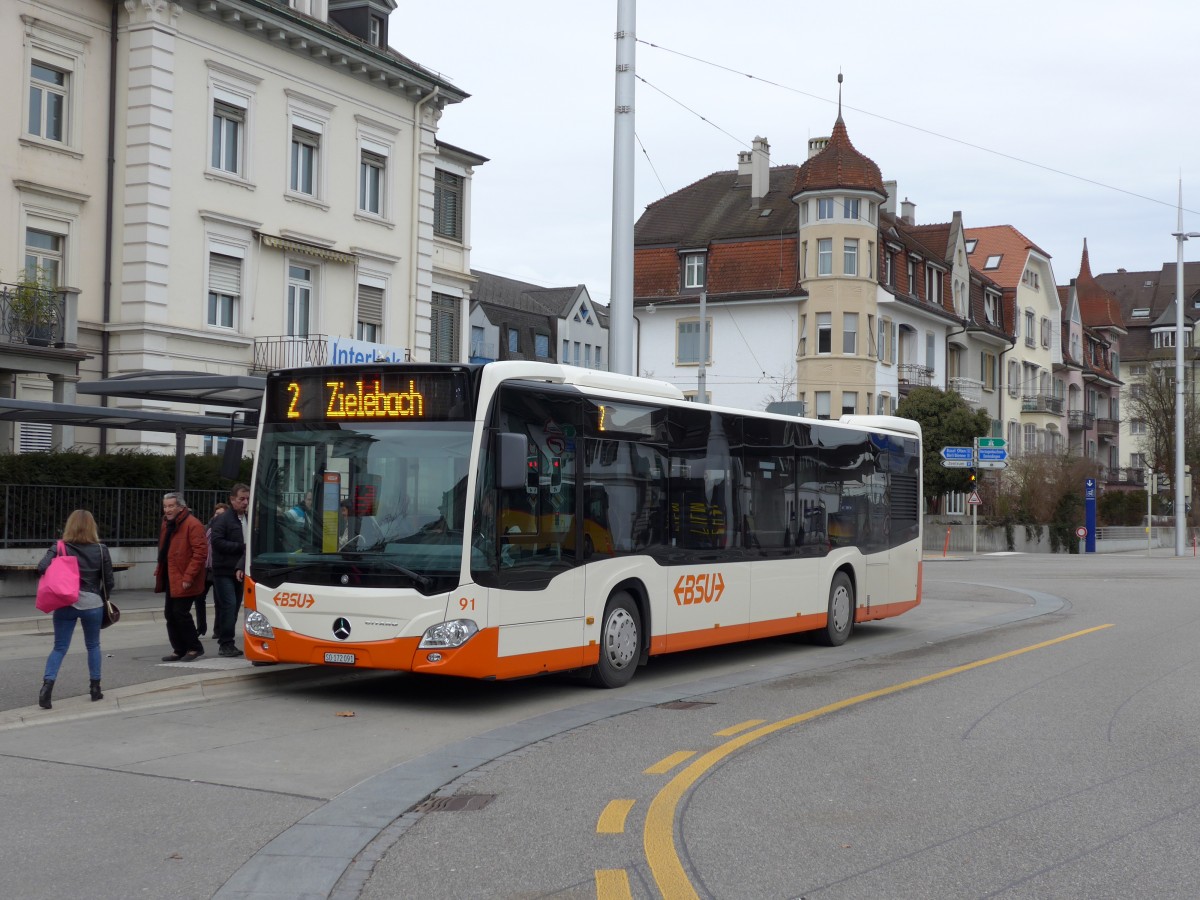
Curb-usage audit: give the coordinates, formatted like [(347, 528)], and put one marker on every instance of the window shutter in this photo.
[(443, 328), (225, 274), (370, 304), (35, 437)]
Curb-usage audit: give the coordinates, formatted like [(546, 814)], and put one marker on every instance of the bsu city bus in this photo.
[(515, 518)]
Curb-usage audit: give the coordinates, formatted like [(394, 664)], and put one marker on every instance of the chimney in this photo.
[(889, 205), (743, 175), (760, 168), (908, 211), (816, 145)]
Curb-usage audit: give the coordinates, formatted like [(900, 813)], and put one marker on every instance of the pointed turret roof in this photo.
[(1097, 307), (839, 165)]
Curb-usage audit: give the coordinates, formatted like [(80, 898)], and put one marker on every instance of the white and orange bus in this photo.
[(515, 518)]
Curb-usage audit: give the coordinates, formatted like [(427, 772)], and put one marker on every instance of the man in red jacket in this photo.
[(182, 555)]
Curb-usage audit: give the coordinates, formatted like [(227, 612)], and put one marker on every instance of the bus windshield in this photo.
[(379, 504)]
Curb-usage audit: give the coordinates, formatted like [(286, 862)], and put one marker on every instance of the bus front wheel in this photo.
[(840, 621), (620, 643)]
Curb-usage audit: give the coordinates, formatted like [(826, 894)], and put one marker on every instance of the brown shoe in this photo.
[(174, 657)]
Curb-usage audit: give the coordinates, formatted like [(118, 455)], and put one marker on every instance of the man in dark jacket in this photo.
[(229, 532), (182, 555)]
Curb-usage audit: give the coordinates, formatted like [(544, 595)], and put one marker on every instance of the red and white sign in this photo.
[(1081, 532), (974, 498)]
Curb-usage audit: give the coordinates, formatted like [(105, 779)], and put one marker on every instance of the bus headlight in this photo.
[(257, 625), (454, 633)]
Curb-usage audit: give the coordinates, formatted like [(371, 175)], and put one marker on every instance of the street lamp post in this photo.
[(1180, 506)]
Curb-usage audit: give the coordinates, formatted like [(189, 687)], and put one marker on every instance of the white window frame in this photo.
[(368, 322), (308, 121), (824, 256), (850, 256), (849, 409), (825, 208), (695, 271), (693, 336), (236, 91), (213, 309), (823, 399), (378, 142), (65, 51), (300, 290), (849, 334), (851, 208), (372, 184), (824, 333)]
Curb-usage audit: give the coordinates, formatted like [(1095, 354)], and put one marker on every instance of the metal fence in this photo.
[(33, 515)]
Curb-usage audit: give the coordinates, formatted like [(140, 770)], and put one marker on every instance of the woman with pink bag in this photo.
[(95, 582)]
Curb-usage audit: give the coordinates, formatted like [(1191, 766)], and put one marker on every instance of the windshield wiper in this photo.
[(360, 556)]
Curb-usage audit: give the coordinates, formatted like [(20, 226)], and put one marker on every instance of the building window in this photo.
[(224, 289), (990, 305), (305, 156), (372, 172), (48, 88), (912, 277), (44, 257), (825, 256), (850, 333), (933, 285), (447, 205), (228, 123), (881, 341), (1045, 332), (822, 404), (444, 326), (824, 332), (850, 257), (850, 210), (694, 271), (825, 208), (576, 360), (1030, 340), (370, 313), (375, 31), (514, 340), (541, 346), (299, 300), (587, 356), (1137, 426), (566, 355), (987, 370), (1014, 378), (849, 403), (687, 343), (993, 261)]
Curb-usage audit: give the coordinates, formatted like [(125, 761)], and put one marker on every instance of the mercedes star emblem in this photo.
[(341, 629)]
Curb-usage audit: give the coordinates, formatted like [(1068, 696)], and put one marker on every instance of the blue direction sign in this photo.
[(967, 453), (990, 453)]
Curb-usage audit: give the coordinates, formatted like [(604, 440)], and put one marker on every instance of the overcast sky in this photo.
[(971, 107)]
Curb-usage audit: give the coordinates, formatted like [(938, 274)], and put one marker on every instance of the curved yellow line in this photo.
[(658, 834)]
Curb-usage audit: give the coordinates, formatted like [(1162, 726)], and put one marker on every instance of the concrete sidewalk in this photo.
[(19, 615)]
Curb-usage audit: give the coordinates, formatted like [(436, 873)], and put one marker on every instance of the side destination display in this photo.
[(385, 395)]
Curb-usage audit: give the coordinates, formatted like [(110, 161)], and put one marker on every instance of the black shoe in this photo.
[(229, 650), (44, 694), (94, 687), (192, 655), (174, 657), (202, 632)]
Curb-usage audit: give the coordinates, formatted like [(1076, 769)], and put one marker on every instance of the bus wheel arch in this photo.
[(841, 609), (622, 639)]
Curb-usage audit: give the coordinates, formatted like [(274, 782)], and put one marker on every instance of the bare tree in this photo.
[(783, 387), (1154, 405)]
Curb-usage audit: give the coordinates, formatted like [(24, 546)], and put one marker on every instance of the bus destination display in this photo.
[(341, 396)]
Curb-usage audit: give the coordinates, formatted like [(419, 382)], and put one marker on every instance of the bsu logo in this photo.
[(705, 588)]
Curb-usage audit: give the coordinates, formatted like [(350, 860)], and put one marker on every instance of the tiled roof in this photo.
[(717, 208), (1098, 308), (935, 237), (839, 165), (521, 295), (1006, 242)]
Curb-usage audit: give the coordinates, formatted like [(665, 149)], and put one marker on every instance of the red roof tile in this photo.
[(839, 165), (1098, 307)]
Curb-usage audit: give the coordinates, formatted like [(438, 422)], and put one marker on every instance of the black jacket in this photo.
[(95, 566), (228, 544)]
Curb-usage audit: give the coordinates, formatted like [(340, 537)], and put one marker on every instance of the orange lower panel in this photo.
[(729, 634), (884, 611), (289, 647), (477, 658)]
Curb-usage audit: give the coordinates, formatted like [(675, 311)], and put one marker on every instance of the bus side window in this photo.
[(625, 491)]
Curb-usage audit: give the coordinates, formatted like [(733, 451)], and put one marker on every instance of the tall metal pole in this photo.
[(701, 374), (1180, 237), (620, 322)]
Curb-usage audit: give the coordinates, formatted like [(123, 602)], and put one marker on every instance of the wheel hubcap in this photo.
[(620, 639), (839, 609)]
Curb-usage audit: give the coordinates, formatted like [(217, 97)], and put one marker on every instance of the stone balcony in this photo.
[(969, 389), (1046, 403), (1079, 419)]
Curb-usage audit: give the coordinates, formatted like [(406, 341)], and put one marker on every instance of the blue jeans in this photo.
[(64, 627), (227, 602)]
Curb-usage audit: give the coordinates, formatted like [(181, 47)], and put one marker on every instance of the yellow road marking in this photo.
[(658, 835), (612, 884), (740, 727), (670, 762), (612, 820)]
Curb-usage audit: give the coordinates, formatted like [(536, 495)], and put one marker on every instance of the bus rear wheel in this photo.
[(620, 643), (840, 621)]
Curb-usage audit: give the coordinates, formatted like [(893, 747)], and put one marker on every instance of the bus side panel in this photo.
[(786, 588), (905, 586), (711, 598), (537, 621)]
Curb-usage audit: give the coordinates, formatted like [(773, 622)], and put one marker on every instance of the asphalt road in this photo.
[(1065, 770)]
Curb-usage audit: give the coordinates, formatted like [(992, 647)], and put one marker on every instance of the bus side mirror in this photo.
[(511, 450)]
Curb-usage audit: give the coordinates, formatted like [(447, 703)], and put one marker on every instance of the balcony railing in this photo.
[(968, 388), (1108, 427), (33, 315), (288, 352), (911, 375), (1080, 418), (1042, 403), (1128, 475)]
